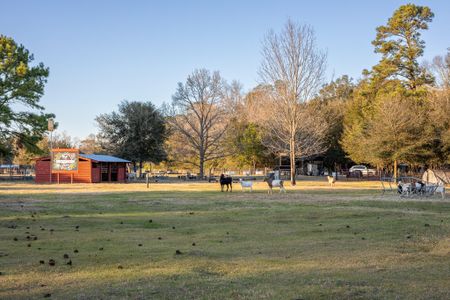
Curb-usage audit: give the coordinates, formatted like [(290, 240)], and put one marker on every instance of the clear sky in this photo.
[(101, 52)]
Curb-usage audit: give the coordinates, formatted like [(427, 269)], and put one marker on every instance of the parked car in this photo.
[(365, 171)]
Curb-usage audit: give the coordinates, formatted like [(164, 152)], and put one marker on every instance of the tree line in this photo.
[(398, 111)]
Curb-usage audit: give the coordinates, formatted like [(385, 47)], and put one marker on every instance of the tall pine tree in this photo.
[(396, 85), (21, 86)]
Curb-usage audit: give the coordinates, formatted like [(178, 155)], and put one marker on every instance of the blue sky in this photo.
[(101, 52)]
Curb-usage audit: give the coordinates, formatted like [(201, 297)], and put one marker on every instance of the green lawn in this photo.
[(313, 242)]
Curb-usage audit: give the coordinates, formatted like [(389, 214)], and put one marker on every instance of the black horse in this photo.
[(228, 181)]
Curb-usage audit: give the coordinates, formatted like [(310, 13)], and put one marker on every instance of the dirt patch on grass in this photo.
[(442, 248)]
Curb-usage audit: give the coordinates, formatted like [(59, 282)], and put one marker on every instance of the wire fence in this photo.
[(16, 173)]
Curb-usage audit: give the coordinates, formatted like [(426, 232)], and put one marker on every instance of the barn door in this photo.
[(114, 172), (105, 172)]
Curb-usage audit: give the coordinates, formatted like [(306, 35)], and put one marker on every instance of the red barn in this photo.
[(92, 168)]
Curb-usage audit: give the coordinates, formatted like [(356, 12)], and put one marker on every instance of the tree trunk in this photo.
[(395, 171), (335, 171), (210, 173), (201, 166), (292, 161)]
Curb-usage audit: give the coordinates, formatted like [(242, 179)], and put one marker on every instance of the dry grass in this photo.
[(313, 242), (23, 188)]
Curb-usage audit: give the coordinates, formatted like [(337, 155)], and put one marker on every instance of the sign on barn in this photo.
[(65, 160)]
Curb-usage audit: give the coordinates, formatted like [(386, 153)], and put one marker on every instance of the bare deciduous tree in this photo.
[(441, 67), (198, 116), (439, 123), (91, 145), (294, 67)]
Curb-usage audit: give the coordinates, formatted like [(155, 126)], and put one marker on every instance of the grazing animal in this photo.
[(441, 189), (246, 184), (228, 181), (331, 180), (272, 182)]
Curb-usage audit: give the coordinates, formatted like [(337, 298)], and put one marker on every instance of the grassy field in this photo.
[(190, 241)]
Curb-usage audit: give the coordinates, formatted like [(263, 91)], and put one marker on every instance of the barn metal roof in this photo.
[(104, 158)]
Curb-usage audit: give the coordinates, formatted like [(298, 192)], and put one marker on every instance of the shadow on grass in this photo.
[(253, 279)]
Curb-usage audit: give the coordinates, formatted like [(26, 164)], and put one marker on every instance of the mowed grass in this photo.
[(313, 242)]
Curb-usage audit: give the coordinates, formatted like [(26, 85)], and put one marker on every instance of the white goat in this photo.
[(441, 189), (331, 180), (274, 183), (246, 184)]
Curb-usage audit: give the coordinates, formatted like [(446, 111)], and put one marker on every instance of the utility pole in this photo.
[(51, 127)]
